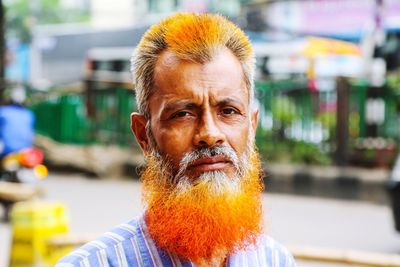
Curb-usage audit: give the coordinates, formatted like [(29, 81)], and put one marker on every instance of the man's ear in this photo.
[(254, 120), (138, 126)]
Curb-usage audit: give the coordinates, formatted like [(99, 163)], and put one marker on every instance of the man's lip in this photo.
[(210, 163)]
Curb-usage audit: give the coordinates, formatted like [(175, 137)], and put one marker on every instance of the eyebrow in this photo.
[(186, 104), (180, 104), (229, 100)]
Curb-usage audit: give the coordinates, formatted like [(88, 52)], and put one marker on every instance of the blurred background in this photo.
[(328, 89)]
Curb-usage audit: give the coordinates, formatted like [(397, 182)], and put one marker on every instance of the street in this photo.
[(97, 205)]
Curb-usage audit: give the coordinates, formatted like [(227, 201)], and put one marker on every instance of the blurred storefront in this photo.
[(322, 74), (230, 8), (334, 18), (331, 98)]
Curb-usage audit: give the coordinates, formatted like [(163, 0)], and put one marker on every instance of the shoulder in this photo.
[(266, 253), (277, 254), (115, 245), (269, 243)]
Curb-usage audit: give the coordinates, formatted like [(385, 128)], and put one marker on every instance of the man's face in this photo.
[(197, 106), (200, 136)]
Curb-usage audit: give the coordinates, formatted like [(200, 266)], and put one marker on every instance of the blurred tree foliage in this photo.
[(284, 113), (284, 109), (22, 15), (393, 81), (289, 150)]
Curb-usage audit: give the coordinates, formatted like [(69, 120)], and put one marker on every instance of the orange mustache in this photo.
[(197, 225)]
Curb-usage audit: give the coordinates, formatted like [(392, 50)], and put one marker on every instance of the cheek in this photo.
[(173, 142), (237, 137)]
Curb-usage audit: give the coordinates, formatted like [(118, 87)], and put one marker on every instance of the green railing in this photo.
[(111, 116), (291, 117), (65, 119)]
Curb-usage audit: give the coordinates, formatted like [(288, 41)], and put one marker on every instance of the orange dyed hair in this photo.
[(198, 225), (190, 36)]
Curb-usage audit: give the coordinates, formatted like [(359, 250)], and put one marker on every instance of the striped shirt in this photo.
[(131, 245)]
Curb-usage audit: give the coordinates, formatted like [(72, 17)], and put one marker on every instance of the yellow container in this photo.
[(33, 224)]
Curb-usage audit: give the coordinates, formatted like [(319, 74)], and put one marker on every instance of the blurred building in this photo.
[(111, 24), (348, 19), (106, 14), (128, 12), (230, 8), (121, 23), (303, 105)]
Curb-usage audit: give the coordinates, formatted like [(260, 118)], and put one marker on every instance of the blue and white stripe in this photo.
[(130, 245)]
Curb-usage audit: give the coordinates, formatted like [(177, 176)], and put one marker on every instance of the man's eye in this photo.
[(229, 111), (181, 114)]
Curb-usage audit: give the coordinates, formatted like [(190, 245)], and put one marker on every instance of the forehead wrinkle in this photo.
[(192, 99), (207, 79)]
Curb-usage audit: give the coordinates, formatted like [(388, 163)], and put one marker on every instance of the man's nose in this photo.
[(208, 134)]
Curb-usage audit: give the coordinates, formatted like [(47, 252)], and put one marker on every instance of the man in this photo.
[(196, 126)]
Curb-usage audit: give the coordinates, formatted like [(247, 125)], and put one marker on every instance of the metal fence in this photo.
[(111, 116), (296, 123), (302, 125), (65, 118)]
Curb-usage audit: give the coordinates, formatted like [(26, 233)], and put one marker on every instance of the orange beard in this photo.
[(198, 225)]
